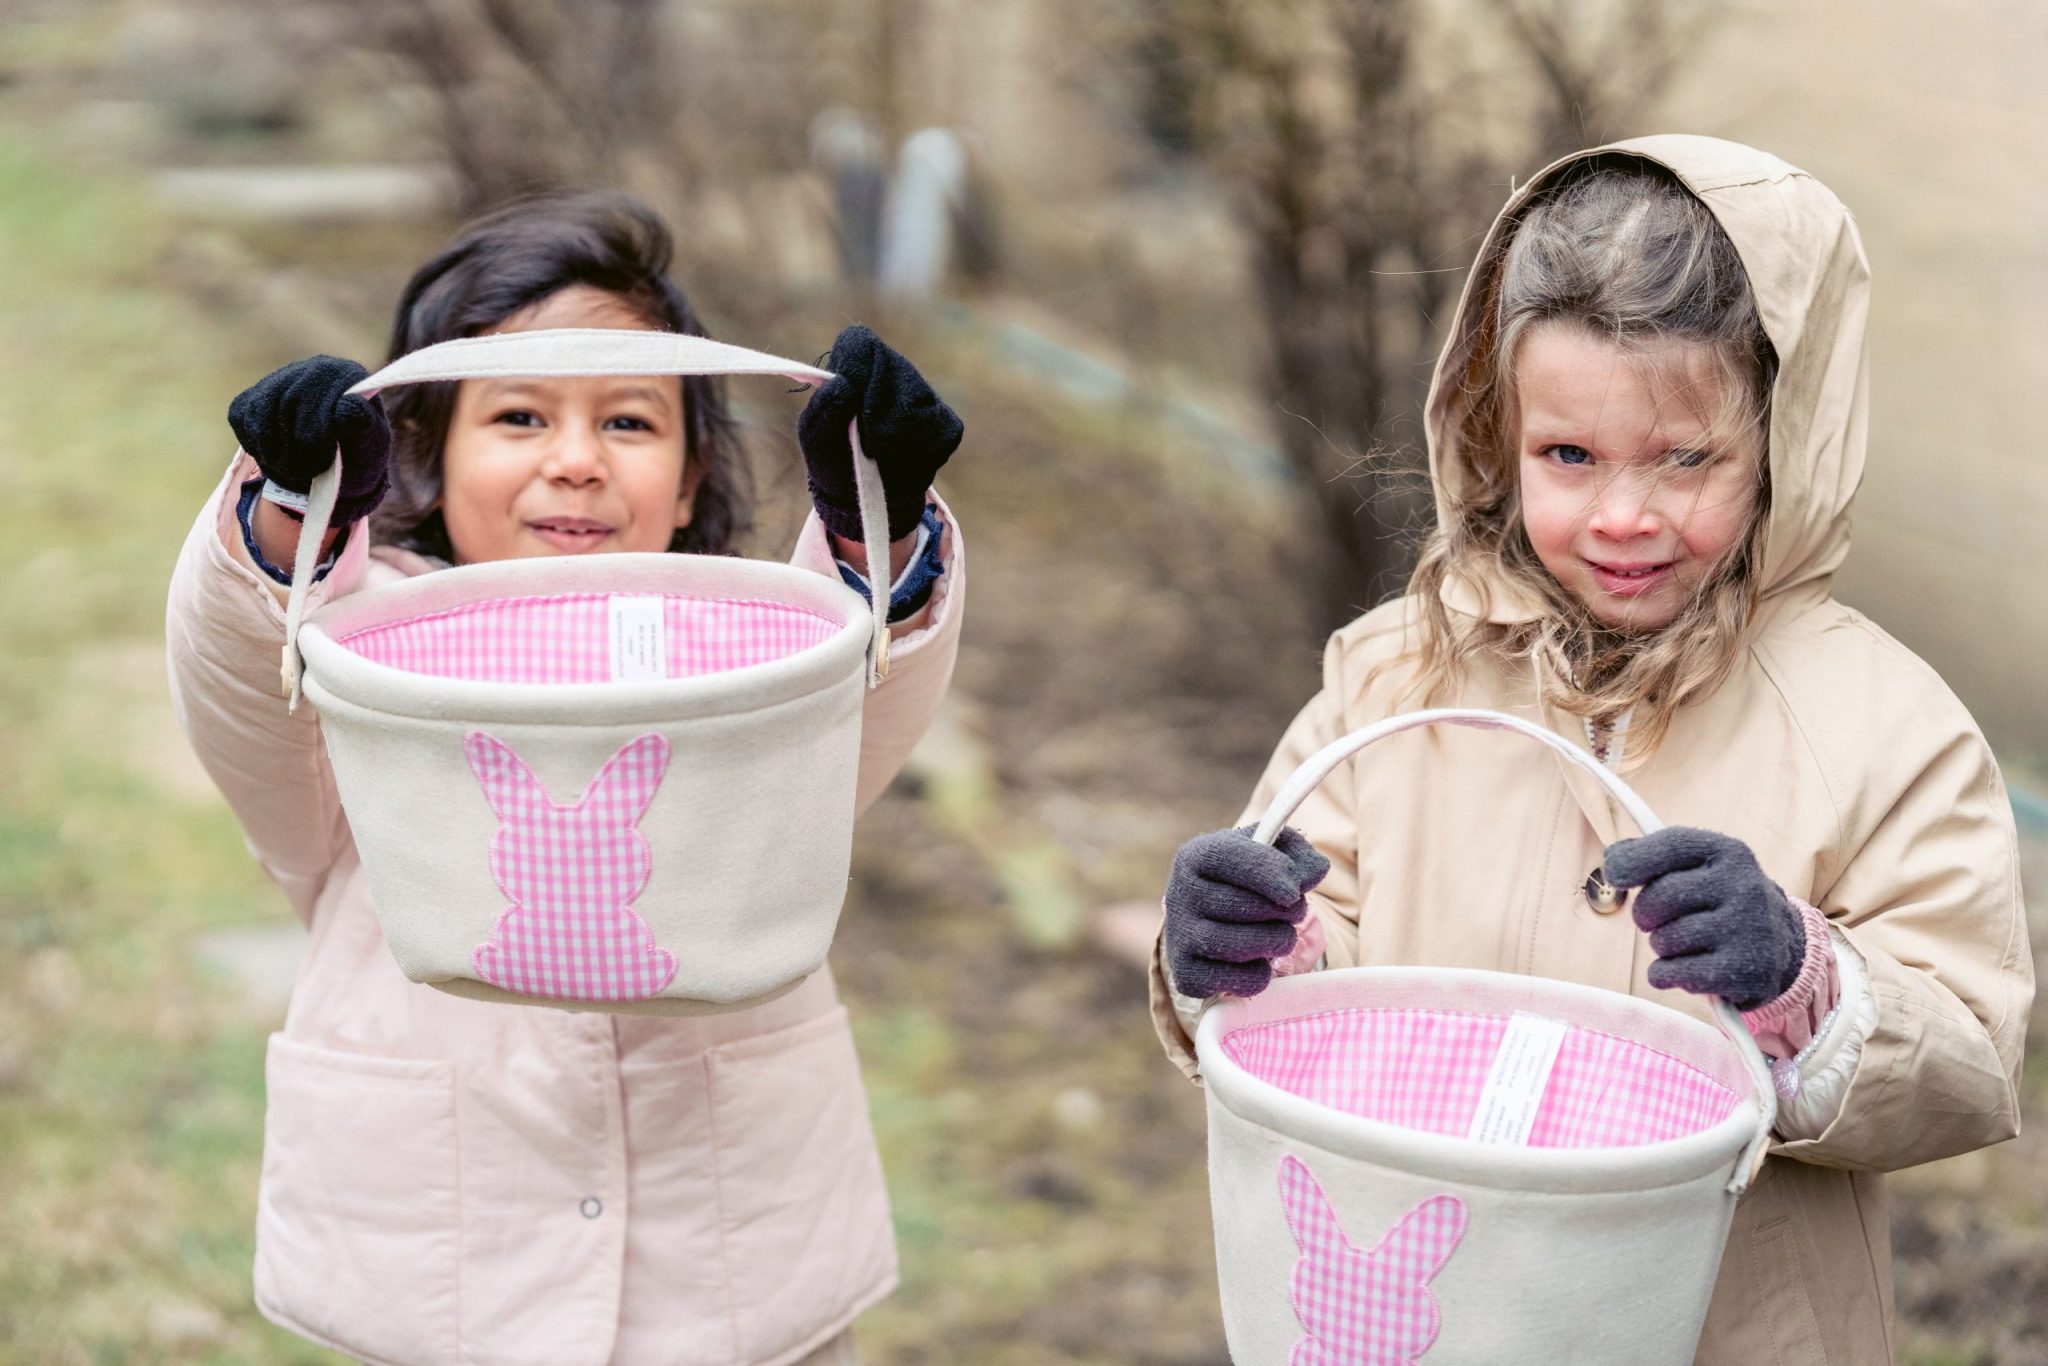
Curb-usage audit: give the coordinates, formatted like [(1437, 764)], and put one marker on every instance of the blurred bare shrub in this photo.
[(704, 107), (1365, 144), (522, 95), (174, 55)]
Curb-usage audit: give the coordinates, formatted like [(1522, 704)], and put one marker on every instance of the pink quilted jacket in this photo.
[(451, 1181)]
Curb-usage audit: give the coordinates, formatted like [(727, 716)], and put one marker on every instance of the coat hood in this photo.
[(1812, 285)]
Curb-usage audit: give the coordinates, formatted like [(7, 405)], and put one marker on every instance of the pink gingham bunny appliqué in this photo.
[(1365, 1308), (572, 873)]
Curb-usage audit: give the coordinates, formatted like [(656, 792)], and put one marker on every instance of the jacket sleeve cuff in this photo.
[(1788, 1022), (245, 507), (1173, 1016), (343, 575), (913, 587), (921, 622), (1813, 1083), (1310, 943), (1187, 1010)]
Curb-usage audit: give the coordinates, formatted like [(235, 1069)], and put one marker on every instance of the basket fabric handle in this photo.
[(574, 351), (1323, 762)]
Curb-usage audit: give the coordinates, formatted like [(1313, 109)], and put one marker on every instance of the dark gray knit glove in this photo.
[(1232, 905), (1719, 927)]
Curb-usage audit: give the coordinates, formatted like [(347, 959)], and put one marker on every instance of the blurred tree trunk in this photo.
[(1365, 144), (527, 95)]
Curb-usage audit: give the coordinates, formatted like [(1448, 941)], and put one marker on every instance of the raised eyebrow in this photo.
[(1539, 438), (510, 388), (645, 392), (495, 389)]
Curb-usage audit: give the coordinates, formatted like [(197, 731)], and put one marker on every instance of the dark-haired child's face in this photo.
[(1630, 496), (565, 466)]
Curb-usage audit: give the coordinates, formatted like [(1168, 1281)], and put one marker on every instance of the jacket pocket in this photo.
[(357, 1214), (803, 1213), (1782, 1266)]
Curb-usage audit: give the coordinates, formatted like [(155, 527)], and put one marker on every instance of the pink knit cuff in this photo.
[(1308, 947), (1788, 1022)]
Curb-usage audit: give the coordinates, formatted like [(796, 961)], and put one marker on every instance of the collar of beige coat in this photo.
[(1812, 284)]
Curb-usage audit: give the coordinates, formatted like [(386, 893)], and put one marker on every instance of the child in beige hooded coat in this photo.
[(449, 1180), (1645, 434)]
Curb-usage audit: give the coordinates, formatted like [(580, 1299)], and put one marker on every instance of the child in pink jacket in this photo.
[(448, 1180)]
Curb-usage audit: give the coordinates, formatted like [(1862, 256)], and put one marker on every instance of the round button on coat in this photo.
[(591, 1207), (1603, 896)]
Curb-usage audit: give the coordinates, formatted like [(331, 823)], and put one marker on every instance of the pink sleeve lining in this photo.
[(1790, 1021), (1309, 944)]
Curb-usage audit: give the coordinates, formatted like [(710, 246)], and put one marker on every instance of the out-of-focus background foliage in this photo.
[(1181, 264)]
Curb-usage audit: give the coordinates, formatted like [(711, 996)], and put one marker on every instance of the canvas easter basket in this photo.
[(619, 782), (1463, 1168)]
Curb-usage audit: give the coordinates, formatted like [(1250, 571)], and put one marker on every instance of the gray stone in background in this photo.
[(307, 194)]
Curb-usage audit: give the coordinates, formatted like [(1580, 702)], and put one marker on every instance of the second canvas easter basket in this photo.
[(1449, 1167)]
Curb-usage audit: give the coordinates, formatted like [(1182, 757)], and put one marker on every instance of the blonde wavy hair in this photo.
[(1619, 247)]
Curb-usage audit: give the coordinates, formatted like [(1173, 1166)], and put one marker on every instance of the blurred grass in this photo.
[(131, 1094)]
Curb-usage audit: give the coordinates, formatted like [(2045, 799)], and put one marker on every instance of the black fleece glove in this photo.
[(1232, 905), (905, 428), (1718, 925), (291, 420)]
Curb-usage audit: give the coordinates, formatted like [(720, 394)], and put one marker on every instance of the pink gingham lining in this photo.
[(564, 638), (1364, 1306), (1424, 1069)]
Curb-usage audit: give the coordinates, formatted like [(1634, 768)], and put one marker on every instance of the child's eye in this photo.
[(1689, 459), (628, 424), (518, 417), (1569, 455)]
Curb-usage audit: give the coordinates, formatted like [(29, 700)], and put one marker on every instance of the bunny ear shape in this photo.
[(1420, 1241), (509, 785), (1423, 1239), (626, 784), (1308, 1210)]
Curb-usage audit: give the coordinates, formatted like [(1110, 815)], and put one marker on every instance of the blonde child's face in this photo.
[(1627, 498), (564, 466)]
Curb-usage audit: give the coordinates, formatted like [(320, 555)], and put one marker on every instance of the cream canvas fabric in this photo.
[(1551, 1267), (1600, 1212)]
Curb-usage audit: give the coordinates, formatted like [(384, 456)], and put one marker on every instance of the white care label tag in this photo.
[(639, 639), (1517, 1080)]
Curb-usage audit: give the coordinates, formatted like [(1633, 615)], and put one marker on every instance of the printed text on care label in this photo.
[(1516, 1082), (638, 639)]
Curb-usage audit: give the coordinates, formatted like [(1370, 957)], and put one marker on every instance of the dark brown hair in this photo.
[(509, 260)]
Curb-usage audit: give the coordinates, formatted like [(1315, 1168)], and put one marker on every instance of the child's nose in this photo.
[(1625, 508), (576, 457)]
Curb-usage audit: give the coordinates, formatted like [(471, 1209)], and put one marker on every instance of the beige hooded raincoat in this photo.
[(1856, 776), (448, 1180)]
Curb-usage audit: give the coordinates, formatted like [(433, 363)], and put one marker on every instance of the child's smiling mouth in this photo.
[(1630, 580), (571, 534)]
